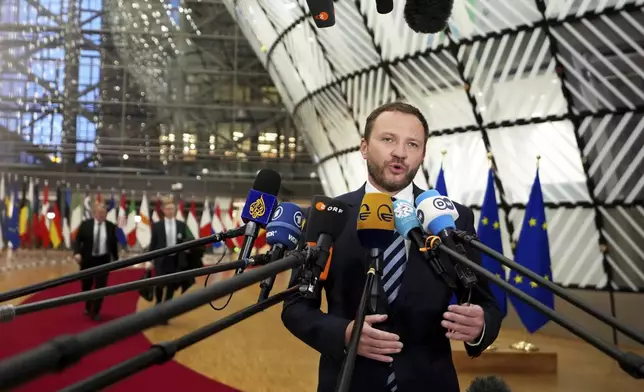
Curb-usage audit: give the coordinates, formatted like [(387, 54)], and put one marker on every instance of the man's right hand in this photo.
[(374, 343), (77, 258)]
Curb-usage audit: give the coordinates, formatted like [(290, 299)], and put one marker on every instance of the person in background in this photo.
[(94, 245)]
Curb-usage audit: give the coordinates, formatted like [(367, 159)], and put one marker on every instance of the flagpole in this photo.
[(524, 345)]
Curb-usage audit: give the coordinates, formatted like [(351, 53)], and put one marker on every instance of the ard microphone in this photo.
[(488, 384), (282, 233), (375, 231), (258, 208), (384, 6), (408, 225), (326, 221), (437, 215), (323, 12), (428, 16)]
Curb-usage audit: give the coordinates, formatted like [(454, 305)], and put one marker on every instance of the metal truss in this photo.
[(564, 80), (117, 76)]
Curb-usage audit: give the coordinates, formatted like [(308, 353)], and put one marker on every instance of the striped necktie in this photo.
[(395, 260)]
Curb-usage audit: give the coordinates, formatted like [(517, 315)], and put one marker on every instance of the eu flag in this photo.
[(533, 253), (441, 187), (489, 232)]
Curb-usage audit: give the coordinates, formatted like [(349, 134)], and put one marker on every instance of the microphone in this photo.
[(326, 221), (437, 214), (323, 12), (258, 209), (384, 6), (282, 233), (408, 225), (488, 384), (375, 231), (428, 16)]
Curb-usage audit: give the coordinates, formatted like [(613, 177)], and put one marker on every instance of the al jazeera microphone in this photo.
[(375, 228), (259, 206)]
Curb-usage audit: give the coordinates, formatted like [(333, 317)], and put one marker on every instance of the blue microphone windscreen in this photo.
[(285, 227), (405, 217), (258, 208), (435, 212)]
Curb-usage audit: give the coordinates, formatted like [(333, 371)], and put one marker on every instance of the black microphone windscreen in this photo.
[(268, 181), (384, 6), (323, 12), (326, 216), (488, 384), (428, 16)]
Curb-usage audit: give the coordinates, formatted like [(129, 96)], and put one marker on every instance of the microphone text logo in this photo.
[(364, 213), (320, 206), (385, 213), (322, 16), (257, 208), (278, 213), (421, 216), (403, 210), (297, 219), (443, 203)]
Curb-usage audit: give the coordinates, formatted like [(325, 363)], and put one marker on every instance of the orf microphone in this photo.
[(282, 233), (258, 208), (437, 215), (375, 231), (384, 6), (488, 384), (323, 12), (408, 225), (428, 16), (326, 221)]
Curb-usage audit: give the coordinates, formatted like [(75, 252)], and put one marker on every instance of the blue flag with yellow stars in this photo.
[(533, 253), (441, 187), (489, 233)]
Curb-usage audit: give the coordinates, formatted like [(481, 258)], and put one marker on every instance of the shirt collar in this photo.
[(406, 194)]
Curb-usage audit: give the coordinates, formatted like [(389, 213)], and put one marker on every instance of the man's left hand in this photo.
[(464, 322)]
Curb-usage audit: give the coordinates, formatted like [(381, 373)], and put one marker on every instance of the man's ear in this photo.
[(363, 148)]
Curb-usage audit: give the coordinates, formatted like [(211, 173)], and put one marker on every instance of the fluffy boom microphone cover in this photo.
[(428, 16)]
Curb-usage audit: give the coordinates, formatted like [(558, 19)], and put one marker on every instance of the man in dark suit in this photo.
[(408, 348), (167, 232), (95, 244)]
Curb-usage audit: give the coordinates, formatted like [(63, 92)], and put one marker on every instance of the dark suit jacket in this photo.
[(425, 362), (171, 263), (84, 241)]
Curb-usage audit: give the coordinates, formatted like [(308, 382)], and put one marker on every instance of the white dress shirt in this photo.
[(170, 232), (102, 238), (407, 194)]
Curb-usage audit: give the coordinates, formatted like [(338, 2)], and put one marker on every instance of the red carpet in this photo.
[(30, 330)]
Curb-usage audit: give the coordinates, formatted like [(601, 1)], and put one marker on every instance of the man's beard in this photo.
[(377, 173)]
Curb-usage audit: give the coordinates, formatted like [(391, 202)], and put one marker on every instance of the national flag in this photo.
[(217, 226), (25, 212), (441, 186), (122, 223), (533, 252), (35, 217), (87, 206), (77, 212), (179, 216), (43, 226), (12, 235), (56, 224), (130, 226), (489, 233), (3, 205), (66, 203), (157, 214), (205, 224), (143, 229), (112, 209), (191, 221)]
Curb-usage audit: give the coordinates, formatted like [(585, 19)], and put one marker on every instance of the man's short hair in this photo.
[(167, 200), (395, 107)]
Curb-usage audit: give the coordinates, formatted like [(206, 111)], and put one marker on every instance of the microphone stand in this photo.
[(8, 312), (89, 272), (163, 352), (267, 284), (344, 381), (251, 232), (631, 363), (556, 289), (64, 350)]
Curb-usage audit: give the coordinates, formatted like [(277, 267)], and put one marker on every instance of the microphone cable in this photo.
[(205, 284)]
